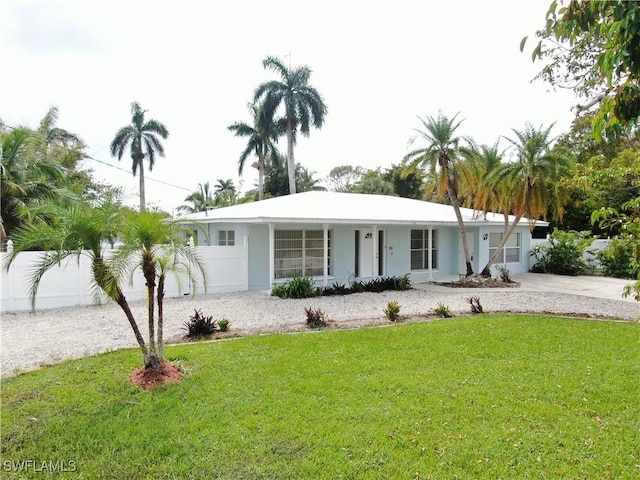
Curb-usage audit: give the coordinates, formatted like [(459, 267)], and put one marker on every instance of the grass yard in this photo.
[(490, 396)]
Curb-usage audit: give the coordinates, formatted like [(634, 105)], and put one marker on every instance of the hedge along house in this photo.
[(338, 237)]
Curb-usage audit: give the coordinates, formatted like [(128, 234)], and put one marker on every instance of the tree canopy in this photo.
[(593, 47)]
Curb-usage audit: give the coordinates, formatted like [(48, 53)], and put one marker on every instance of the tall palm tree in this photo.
[(201, 200), (142, 138), (440, 157), (303, 105), (261, 140), (73, 230), (532, 181), (155, 245)]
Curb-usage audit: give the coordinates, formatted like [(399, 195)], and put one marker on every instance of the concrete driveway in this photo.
[(588, 286)]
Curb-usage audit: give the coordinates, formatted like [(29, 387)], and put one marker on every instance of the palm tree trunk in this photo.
[(453, 196), (291, 163), (124, 305), (160, 301), (141, 180), (260, 178), (486, 271), (152, 360)]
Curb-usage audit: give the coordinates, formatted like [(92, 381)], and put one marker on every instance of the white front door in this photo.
[(365, 253), (462, 264)]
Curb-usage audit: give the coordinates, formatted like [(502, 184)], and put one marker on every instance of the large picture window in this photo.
[(420, 249), (511, 251), (300, 252)]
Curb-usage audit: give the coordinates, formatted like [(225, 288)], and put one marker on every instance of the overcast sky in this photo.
[(195, 64)]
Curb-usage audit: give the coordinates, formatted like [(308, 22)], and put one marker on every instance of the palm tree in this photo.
[(201, 200), (73, 230), (305, 180), (480, 162), (532, 181), (440, 157), (261, 140), (225, 192), (24, 179), (303, 105), (155, 245), (142, 138)]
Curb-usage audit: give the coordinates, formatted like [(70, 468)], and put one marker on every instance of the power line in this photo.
[(89, 157)]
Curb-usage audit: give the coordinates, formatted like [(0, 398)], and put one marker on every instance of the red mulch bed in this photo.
[(149, 379)]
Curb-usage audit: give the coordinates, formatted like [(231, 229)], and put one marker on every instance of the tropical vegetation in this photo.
[(142, 137), (303, 105), (147, 241)]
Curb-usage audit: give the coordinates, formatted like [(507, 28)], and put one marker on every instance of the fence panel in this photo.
[(69, 284)]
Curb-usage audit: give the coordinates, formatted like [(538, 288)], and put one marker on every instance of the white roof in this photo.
[(344, 208)]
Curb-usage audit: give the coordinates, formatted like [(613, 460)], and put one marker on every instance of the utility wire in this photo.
[(89, 157)]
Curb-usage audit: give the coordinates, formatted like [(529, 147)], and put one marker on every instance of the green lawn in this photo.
[(492, 396)]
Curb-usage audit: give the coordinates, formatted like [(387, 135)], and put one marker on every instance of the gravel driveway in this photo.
[(47, 336)]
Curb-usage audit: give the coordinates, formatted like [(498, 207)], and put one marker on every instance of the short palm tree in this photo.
[(73, 230), (532, 181), (156, 246), (440, 157), (201, 200), (142, 138), (261, 140), (303, 105)]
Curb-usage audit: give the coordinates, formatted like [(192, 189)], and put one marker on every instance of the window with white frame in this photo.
[(511, 251), (226, 238), (300, 252), (420, 249)]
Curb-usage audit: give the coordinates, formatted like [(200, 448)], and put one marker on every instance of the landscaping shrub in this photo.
[(380, 284), (475, 305), (315, 318), (442, 310), (564, 254), (303, 287), (297, 287), (616, 260), (392, 311), (505, 274), (200, 325), (224, 324)]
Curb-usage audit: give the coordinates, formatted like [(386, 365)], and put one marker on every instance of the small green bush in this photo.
[(442, 310), (297, 287), (224, 324), (315, 318), (505, 274), (617, 259), (200, 325), (392, 311), (564, 254)]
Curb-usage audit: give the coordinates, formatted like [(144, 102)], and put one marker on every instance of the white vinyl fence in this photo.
[(589, 256), (69, 284)]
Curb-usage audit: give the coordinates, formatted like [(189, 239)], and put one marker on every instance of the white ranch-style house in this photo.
[(338, 237), (332, 237)]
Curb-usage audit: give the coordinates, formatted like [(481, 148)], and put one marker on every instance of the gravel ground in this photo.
[(29, 340)]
